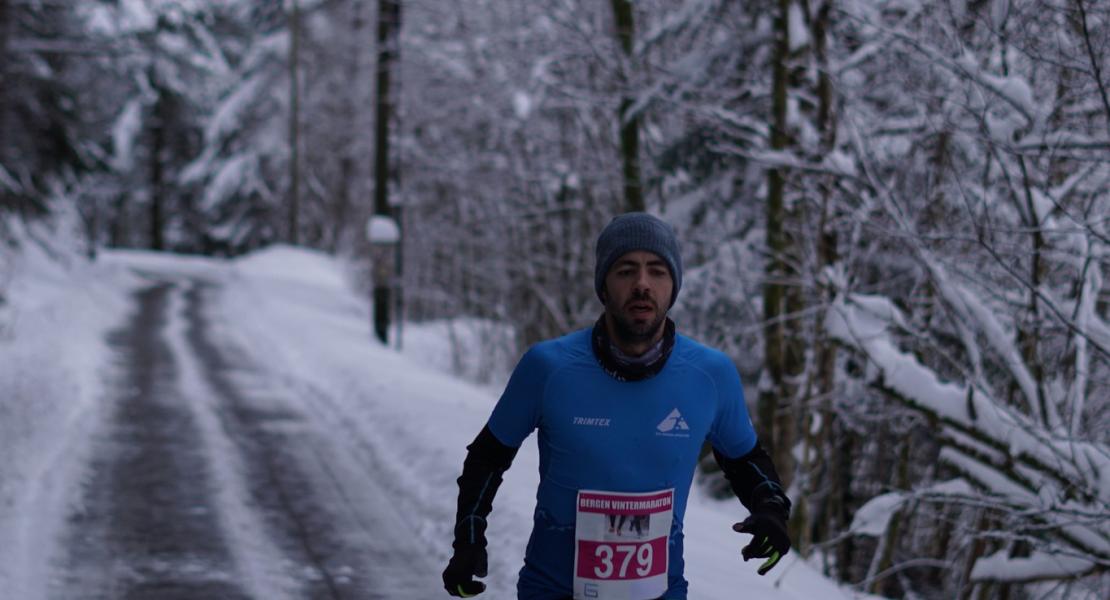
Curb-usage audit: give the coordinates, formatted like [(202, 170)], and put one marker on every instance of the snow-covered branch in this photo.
[(1012, 461)]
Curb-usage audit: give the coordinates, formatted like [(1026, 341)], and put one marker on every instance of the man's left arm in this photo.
[(756, 483), (749, 469)]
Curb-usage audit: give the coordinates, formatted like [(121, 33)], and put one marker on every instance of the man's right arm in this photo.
[(487, 459), (514, 418)]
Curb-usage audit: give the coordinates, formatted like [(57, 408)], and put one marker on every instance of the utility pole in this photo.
[(389, 50)]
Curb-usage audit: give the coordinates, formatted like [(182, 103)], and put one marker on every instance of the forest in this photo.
[(894, 215)]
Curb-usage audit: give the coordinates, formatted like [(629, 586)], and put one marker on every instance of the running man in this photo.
[(622, 410)]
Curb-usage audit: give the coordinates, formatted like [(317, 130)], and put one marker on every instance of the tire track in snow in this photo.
[(331, 514), (213, 477), (151, 522)]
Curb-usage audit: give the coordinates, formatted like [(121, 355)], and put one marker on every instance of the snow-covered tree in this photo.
[(971, 291), (510, 157), (944, 160), (239, 176), (45, 118)]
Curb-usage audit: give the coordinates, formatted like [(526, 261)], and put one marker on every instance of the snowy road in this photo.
[(212, 477)]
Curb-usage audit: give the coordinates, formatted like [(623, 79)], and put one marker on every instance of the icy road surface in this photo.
[(210, 477)]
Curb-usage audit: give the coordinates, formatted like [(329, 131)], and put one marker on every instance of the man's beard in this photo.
[(629, 330)]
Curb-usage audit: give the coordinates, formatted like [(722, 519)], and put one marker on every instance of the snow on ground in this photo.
[(58, 311), (447, 346), (293, 309)]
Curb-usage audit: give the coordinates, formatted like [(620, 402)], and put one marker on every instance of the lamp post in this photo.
[(384, 236)]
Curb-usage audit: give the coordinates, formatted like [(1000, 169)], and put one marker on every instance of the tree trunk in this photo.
[(159, 122), (5, 85), (978, 549), (1093, 60), (7, 202), (629, 125), (389, 29), (341, 207), (939, 546), (784, 351), (1029, 339), (294, 122), (813, 525), (884, 560), (842, 500)]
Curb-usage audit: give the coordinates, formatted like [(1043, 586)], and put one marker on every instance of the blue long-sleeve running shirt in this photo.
[(598, 433)]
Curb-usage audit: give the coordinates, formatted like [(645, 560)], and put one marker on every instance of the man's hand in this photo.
[(469, 560), (769, 539), (458, 577)]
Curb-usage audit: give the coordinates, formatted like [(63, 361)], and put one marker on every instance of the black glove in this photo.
[(769, 539), (756, 483), (486, 459), (469, 560)]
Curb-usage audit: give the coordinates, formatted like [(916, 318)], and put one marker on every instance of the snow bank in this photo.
[(448, 346), (289, 265), (52, 353)]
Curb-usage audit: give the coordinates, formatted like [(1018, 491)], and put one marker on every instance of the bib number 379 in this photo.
[(621, 544), (621, 560)]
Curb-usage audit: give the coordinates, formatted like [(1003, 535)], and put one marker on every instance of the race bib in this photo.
[(620, 545)]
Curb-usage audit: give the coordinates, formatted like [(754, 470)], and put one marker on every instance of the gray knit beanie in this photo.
[(637, 231)]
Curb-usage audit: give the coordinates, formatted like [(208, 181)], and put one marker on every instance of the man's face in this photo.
[(638, 294)]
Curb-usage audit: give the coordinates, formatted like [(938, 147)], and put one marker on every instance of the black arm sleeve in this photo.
[(487, 458), (755, 481)]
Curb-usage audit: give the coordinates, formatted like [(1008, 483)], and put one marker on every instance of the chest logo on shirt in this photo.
[(591, 421), (674, 425)]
